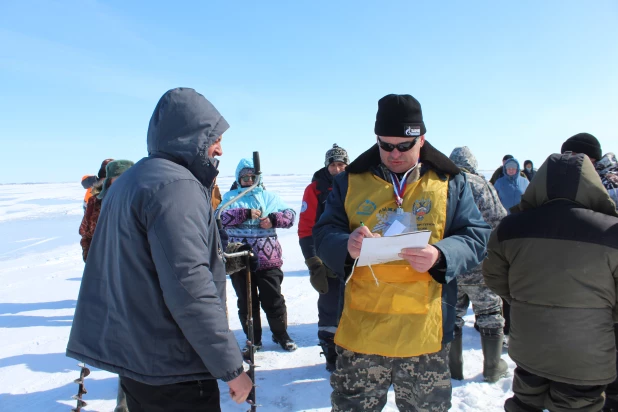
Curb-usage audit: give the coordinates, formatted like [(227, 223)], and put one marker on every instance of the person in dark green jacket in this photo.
[(556, 261)]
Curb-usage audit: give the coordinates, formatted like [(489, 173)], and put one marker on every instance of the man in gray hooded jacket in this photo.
[(151, 307)]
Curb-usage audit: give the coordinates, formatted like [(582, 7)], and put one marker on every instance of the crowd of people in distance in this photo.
[(535, 252)]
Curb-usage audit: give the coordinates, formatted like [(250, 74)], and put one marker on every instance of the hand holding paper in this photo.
[(388, 248), (355, 241), (421, 260)]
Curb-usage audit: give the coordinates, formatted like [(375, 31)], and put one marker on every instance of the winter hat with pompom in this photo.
[(336, 154)]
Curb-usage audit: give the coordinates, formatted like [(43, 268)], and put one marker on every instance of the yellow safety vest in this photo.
[(402, 315)]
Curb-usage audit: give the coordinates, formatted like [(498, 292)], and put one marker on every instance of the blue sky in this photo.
[(79, 79)]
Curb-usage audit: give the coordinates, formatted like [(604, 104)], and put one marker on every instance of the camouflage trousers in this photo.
[(361, 382), (486, 304)]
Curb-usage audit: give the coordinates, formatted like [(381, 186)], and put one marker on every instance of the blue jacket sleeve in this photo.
[(332, 230), (466, 235)]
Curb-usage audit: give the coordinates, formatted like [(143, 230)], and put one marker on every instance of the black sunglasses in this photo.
[(248, 178), (402, 147)]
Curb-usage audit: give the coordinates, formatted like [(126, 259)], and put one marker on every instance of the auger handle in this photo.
[(256, 163)]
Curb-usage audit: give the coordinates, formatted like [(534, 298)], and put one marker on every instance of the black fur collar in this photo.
[(430, 156)]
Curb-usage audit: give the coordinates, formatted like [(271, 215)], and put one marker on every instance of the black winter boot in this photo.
[(494, 367), (455, 356), (515, 405), (327, 342), (246, 353), (280, 334)]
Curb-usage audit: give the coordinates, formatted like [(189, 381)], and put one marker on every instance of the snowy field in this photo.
[(40, 274)]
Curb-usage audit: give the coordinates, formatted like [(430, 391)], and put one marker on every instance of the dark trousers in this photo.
[(611, 393), (534, 394), (266, 291), (199, 396), (506, 313), (328, 304)]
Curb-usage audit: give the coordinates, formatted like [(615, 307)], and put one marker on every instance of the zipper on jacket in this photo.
[(199, 383)]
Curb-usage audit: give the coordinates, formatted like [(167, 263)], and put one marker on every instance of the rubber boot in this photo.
[(494, 367), (327, 342), (280, 334), (455, 356)]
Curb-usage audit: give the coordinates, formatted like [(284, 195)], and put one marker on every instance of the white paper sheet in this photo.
[(396, 228), (386, 249)]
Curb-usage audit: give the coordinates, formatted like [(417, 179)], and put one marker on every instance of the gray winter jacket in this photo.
[(152, 301), (486, 200)]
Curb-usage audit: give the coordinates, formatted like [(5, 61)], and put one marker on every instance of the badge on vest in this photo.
[(386, 218), (421, 208), (366, 208)]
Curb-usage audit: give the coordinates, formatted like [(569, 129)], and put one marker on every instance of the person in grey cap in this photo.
[(151, 306), (323, 280)]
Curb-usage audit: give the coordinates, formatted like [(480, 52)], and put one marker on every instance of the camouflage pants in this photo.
[(486, 304), (361, 382)]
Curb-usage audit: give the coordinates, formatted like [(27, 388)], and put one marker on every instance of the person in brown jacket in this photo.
[(113, 169), (216, 198), (89, 181), (556, 262)]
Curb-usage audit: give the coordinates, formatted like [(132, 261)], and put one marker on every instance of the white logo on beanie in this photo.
[(413, 131)]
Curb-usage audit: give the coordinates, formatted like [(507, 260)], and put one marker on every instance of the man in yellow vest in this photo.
[(398, 317)]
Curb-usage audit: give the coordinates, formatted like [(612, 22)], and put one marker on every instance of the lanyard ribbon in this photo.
[(399, 187)]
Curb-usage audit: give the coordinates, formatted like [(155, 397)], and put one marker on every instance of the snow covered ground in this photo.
[(40, 274)]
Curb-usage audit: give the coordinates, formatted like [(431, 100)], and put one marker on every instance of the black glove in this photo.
[(438, 271), (236, 264), (253, 259), (225, 239), (318, 274)]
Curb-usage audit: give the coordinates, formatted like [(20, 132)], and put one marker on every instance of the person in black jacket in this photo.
[(529, 170), (151, 306), (321, 277)]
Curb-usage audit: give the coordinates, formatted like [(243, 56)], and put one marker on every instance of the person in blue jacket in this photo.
[(511, 186), (253, 220), (400, 178)]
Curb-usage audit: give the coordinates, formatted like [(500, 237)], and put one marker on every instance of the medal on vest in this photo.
[(400, 189)]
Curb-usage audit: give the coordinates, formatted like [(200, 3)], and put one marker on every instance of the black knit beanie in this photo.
[(399, 115), (583, 143)]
